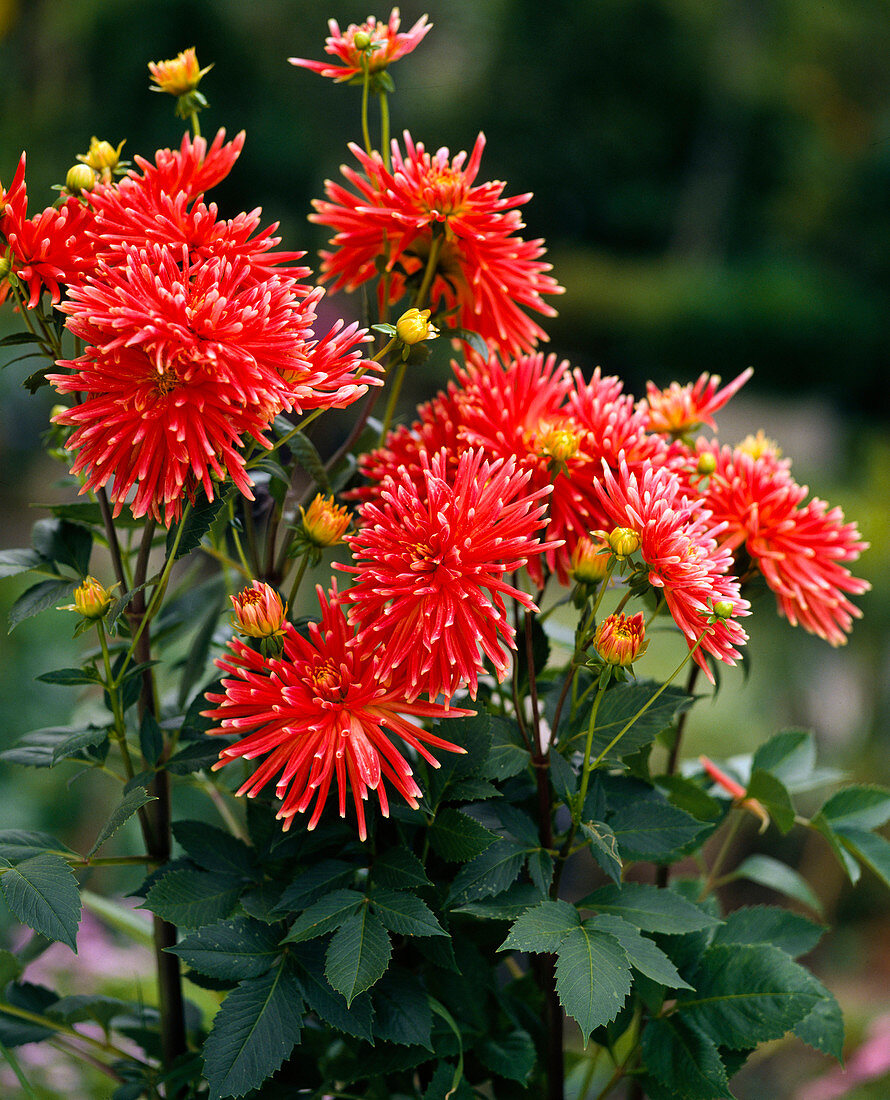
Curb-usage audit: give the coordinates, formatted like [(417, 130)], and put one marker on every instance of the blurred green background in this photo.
[(712, 181)]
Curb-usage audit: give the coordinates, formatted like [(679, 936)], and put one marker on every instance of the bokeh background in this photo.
[(713, 181)]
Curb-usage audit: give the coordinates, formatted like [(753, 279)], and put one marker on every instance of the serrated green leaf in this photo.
[(235, 949), (657, 832), (779, 877), (563, 777), (358, 954), (252, 1034), (19, 844), (405, 914), (509, 905), (511, 1056), (488, 874), (650, 909), (507, 757), (37, 748), (402, 1010), (325, 1002), (457, 837), (79, 1008), (399, 869), (541, 868), (688, 795), (15, 562), (315, 882), (151, 738), (684, 1059), (746, 995), (792, 933), (214, 849), (310, 460), (823, 1028), (78, 743), (543, 928), (195, 525), (619, 705), (860, 807), (195, 756), (40, 597), (325, 915), (193, 898), (603, 847), (772, 793), (70, 677), (592, 977), (42, 893), (472, 790), (131, 802), (870, 849), (65, 543), (641, 951)]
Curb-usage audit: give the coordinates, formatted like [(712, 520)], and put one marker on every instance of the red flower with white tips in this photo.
[(321, 714)]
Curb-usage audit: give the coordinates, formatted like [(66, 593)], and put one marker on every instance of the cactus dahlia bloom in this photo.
[(428, 202), (678, 543), (321, 714), (380, 43), (680, 409), (799, 548), (430, 564)]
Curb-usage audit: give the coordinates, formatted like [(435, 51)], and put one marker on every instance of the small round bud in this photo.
[(102, 157), (5, 267), (258, 611), (80, 178), (414, 326), (624, 541), (707, 463), (91, 599), (621, 639), (723, 609), (590, 560), (324, 522), (362, 40)]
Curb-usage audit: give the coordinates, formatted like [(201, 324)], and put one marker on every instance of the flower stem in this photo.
[(432, 263), (384, 131), (366, 85), (392, 401), (301, 572)]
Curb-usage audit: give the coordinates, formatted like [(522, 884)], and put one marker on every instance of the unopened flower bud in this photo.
[(362, 40), (736, 791), (5, 267), (180, 75), (621, 639), (414, 326), (80, 178), (624, 541), (707, 463), (590, 560), (91, 599), (723, 609), (258, 611), (759, 445), (324, 522), (102, 157)]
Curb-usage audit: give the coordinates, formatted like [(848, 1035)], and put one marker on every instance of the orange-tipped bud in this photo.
[(590, 560), (621, 639), (414, 326), (91, 599), (258, 611), (180, 75), (624, 541), (324, 522)]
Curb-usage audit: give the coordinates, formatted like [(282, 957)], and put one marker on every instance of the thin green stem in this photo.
[(432, 263), (10, 1057), (301, 572), (384, 130), (64, 1029), (587, 766), (120, 732), (366, 86), (218, 799), (392, 401), (711, 881), (107, 861)]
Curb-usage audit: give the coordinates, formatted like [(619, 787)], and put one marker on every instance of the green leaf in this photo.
[(543, 928), (684, 1059), (603, 847), (307, 456), (358, 954), (563, 777), (195, 525), (70, 677), (402, 1010), (658, 832), (10, 968), (399, 869), (779, 877), (870, 849), (773, 794), (507, 756), (328, 1005), (859, 807), (823, 1028), (15, 1031), (37, 748), (472, 790), (541, 867), (592, 977), (65, 543), (619, 705), (123, 602), (509, 905), (642, 952), (151, 738), (199, 651), (489, 873), (314, 882), (746, 995), (254, 1031), (851, 867), (42, 893), (792, 933), (14, 562), (325, 915), (40, 597), (790, 756), (193, 898), (131, 802), (236, 949), (78, 743), (650, 909), (19, 844), (214, 849), (195, 756), (687, 795), (79, 1008), (457, 837), (511, 1056), (405, 914)]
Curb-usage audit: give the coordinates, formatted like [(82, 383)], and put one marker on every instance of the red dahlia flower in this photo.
[(678, 543), (380, 43), (429, 588), (428, 202), (680, 409), (322, 713), (798, 547)]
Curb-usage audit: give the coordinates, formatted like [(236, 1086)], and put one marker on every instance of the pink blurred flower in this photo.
[(380, 43)]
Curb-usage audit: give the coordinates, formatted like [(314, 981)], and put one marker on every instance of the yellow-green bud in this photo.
[(624, 541), (707, 463), (361, 40), (91, 599), (414, 326), (723, 609), (80, 178)]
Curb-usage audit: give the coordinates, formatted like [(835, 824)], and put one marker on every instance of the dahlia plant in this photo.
[(450, 845)]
